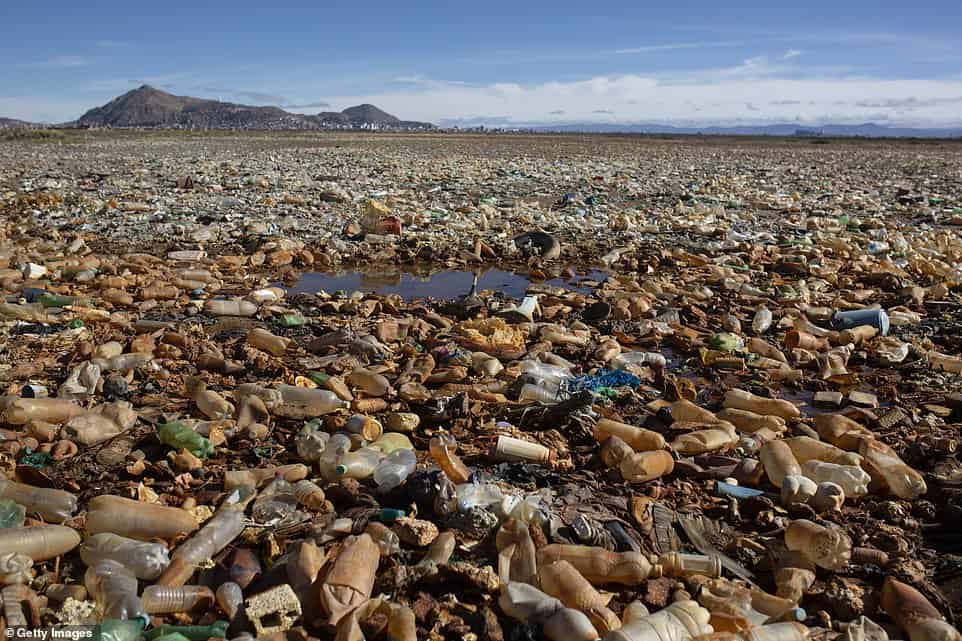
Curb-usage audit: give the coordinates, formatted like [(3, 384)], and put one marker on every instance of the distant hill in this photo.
[(150, 107), (11, 123), (867, 130)]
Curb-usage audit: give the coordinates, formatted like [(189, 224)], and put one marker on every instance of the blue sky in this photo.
[(499, 62)]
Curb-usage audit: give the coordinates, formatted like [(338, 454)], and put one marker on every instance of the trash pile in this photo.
[(748, 431)]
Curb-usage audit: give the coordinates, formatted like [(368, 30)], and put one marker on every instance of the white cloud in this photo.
[(59, 62), (675, 46), (792, 53)]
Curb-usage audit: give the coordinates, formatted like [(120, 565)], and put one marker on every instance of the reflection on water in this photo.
[(413, 283)]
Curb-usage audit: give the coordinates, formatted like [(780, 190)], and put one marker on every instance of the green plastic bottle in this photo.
[(177, 435), (293, 320), (11, 514), (216, 630), (119, 630)]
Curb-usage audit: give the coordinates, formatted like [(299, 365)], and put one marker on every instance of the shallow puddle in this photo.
[(440, 285)]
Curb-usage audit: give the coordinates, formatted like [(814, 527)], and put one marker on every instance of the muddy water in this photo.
[(440, 285)]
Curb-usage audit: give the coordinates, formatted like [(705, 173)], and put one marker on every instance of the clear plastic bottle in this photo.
[(751, 422), (350, 580), (679, 621), (40, 542), (829, 548), (779, 462), (162, 599), (52, 505), (841, 431), (217, 307), (401, 624), (309, 494), (303, 402), (528, 604), (944, 362), (392, 442), (137, 520), (217, 533), (387, 540), (310, 443), (762, 320), (365, 426), (638, 438), (114, 588), (598, 565), (146, 560), (210, 403), (472, 495), (276, 502), (268, 342), (12, 514), (48, 410), (638, 359), (852, 479), (637, 467), (708, 440), (680, 564), (338, 445), (359, 464), (539, 393), (229, 597), (507, 448), (797, 489), (549, 376), (885, 466), (443, 450), (561, 580), (394, 469)]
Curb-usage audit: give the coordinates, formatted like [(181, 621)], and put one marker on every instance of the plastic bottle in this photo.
[(365, 426), (507, 448), (359, 464), (679, 564), (852, 479), (742, 400), (915, 614), (401, 624), (638, 359), (762, 320), (309, 494), (114, 588), (440, 551), (40, 542), (162, 599), (885, 466), (751, 422), (806, 448), (443, 450), (944, 362), (636, 467), (123, 363), (560, 579), (539, 393), (146, 560), (485, 364), (517, 558), (96, 427), (797, 489), (349, 582), (210, 403), (387, 540), (310, 443), (217, 533), (638, 438), (841, 431), (303, 402), (119, 630), (48, 410), (276, 503), (216, 307), (16, 568), (600, 566), (528, 604), (829, 548), (137, 520), (394, 469), (338, 445), (707, 440), (52, 505), (779, 462), (471, 495), (178, 436), (392, 442), (371, 383), (268, 342), (680, 621), (229, 597)]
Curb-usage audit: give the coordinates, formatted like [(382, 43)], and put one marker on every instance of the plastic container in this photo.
[(708, 440), (679, 564), (507, 448), (216, 307), (442, 450), (598, 565), (885, 466), (779, 462), (797, 489), (751, 422), (12, 514), (178, 436), (114, 589), (944, 362), (230, 598), (394, 469), (877, 318), (303, 402), (268, 342), (387, 540), (806, 448), (146, 560), (561, 580), (640, 439), (539, 393), (338, 445), (359, 464), (40, 542), (680, 621), (829, 548), (915, 614), (349, 582), (641, 467), (528, 604), (52, 505), (841, 431), (626, 360), (371, 383), (310, 444), (162, 599), (762, 320), (48, 410), (217, 534), (852, 479), (742, 400), (137, 520)]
